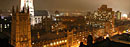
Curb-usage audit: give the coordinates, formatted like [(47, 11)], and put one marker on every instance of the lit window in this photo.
[(5, 26), (57, 15), (5, 19), (33, 43), (51, 44), (8, 25), (48, 16)]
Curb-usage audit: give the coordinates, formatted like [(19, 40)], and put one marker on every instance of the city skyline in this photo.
[(88, 5), (65, 23)]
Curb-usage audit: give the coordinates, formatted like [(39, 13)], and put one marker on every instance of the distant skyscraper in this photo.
[(28, 4)]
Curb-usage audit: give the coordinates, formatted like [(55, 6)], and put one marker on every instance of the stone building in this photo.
[(21, 31)]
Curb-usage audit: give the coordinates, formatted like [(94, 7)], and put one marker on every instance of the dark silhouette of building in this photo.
[(90, 41), (108, 43), (5, 23), (104, 43), (5, 43), (81, 44), (4, 40)]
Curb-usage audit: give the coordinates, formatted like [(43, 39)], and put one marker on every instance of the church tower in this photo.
[(26, 4), (21, 31)]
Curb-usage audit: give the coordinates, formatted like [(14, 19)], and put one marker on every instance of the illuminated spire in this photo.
[(28, 4)]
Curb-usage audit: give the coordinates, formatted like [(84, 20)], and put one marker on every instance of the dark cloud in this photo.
[(122, 5)]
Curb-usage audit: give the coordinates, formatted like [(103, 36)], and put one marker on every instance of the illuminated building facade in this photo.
[(43, 20), (106, 15), (47, 24), (69, 38), (39, 15), (26, 4), (20, 31), (103, 13)]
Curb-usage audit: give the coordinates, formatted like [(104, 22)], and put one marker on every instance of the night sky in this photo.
[(122, 5)]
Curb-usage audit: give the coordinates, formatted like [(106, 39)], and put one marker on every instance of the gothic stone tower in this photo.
[(20, 32)]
